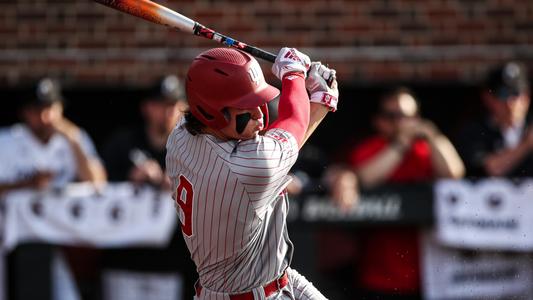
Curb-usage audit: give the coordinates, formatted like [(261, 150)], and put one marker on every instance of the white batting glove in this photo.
[(290, 60), (317, 85)]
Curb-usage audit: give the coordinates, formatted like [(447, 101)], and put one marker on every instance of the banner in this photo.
[(489, 214), (450, 273), (117, 216)]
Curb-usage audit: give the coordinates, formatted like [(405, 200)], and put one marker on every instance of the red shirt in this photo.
[(390, 256), (415, 166)]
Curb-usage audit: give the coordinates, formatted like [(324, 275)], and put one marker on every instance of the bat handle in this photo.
[(201, 30), (260, 53)]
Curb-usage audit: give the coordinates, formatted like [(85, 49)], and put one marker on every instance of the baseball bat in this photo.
[(159, 14)]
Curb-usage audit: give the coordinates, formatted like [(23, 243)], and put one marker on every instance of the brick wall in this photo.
[(366, 40)]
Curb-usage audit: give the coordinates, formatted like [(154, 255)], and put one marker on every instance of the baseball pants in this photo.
[(298, 288)]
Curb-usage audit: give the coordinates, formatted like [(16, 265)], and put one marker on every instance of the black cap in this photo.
[(507, 80), (45, 92), (168, 89)]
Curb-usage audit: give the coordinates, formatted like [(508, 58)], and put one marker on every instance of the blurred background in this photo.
[(441, 47), (450, 54)]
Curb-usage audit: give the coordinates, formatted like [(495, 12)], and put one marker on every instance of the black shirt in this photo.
[(126, 146), (482, 138)]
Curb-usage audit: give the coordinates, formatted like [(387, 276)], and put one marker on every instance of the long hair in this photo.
[(192, 124)]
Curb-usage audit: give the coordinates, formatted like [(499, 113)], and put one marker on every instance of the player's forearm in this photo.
[(317, 113), (293, 108)]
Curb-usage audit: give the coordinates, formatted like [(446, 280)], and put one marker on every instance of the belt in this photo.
[(269, 288)]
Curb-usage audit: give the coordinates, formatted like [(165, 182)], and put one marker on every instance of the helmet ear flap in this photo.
[(209, 117)]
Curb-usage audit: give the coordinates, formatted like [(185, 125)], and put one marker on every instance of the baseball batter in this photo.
[(229, 170)]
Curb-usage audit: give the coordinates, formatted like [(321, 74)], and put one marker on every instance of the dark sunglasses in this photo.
[(393, 115)]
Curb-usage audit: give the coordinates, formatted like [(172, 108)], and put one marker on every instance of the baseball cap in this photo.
[(168, 89), (43, 93), (507, 81)]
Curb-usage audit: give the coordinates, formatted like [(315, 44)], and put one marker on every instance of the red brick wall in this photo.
[(366, 40)]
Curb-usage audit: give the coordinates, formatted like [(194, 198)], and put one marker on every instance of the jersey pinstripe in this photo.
[(238, 234)]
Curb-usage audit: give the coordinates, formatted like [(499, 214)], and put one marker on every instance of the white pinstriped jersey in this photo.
[(234, 223)]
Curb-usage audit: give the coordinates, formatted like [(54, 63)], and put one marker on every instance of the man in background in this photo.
[(501, 144), (138, 155), (404, 149), (45, 151)]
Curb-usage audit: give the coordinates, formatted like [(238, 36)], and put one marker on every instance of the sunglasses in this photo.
[(393, 115)]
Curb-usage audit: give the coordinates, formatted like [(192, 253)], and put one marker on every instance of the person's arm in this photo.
[(39, 180), (377, 169), (293, 109), (444, 158), (89, 168), (317, 113), (502, 162), (324, 97)]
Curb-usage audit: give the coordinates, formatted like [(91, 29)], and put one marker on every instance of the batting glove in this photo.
[(290, 60), (317, 86)]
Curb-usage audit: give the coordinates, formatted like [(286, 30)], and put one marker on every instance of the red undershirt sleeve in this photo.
[(293, 108)]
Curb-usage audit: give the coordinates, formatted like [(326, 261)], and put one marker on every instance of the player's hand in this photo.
[(290, 60), (317, 85)]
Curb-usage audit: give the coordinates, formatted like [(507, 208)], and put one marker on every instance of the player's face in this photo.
[(252, 127)]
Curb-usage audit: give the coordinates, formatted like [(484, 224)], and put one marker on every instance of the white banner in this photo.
[(489, 214), (450, 273), (120, 215), (127, 285)]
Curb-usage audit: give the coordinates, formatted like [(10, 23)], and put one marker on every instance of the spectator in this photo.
[(502, 143), (405, 149), (47, 151), (138, 155), (342, 185)]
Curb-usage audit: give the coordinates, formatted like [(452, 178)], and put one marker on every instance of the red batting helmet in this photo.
[(226, 77)]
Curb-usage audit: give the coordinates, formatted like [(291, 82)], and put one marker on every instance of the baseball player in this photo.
[(229, 170)]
